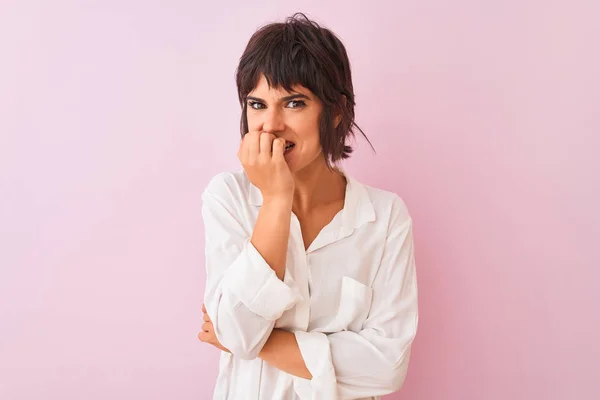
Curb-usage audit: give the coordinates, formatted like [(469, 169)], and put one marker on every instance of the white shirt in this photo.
[(350, 299)]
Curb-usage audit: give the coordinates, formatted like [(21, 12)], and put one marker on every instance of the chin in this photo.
[(293, 168)]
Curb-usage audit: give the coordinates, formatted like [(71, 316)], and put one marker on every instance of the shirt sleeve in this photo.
[(373, 361), (243, 297)]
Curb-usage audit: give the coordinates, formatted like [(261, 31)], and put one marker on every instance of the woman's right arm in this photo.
[(272, 232), (247, 288)]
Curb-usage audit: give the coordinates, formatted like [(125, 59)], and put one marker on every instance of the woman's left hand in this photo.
[(208, 332)]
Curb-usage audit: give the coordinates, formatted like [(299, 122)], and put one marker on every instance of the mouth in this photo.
[(289, 146)]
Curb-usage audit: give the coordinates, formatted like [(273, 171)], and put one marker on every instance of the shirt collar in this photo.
[(358, 207)]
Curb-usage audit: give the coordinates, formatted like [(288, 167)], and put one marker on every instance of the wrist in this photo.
[(281, 199)]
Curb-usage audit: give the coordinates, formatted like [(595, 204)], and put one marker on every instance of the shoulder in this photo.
[(229, 187), (388, 205)]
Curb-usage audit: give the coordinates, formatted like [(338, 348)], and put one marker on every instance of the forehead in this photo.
[(262, 89)]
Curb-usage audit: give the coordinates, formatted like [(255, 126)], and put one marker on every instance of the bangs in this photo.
[(283, 54)]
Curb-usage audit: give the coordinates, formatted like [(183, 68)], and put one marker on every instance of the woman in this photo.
[(311, 288)]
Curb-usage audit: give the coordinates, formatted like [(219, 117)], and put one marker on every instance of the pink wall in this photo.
[(113, 117)]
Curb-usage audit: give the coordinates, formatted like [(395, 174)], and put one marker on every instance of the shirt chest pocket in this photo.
[(353, 309)]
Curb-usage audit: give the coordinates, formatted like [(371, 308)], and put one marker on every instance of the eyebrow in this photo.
[(283, 99)]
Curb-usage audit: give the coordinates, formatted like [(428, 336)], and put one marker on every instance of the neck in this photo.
[(316, 185)]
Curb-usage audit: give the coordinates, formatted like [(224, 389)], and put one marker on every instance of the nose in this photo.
[(273, 121)]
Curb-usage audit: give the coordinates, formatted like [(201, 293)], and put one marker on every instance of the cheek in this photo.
[(310, 140), (308, 130), (253, 121)]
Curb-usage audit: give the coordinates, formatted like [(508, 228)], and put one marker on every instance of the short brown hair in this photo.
[(299, 51)]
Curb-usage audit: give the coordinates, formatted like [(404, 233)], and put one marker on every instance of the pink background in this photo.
[(113, 117)]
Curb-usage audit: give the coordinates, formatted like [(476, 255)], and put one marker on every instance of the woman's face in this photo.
[(292, 116)]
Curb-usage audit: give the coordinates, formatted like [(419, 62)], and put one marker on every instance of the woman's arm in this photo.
[(262, 156), (282, 351), (240, 283), (272, 231)]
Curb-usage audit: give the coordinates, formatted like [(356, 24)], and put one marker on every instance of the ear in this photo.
[(337, 120), (338, 117)]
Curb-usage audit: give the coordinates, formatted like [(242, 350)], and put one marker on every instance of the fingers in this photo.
[(279, 149), (205, 334), (241, 149), (205, 316), (253, 146), (266, 143)]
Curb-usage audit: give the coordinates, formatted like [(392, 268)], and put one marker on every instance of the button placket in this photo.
[(302, 273)]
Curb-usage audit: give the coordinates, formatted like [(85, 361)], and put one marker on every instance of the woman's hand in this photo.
[(208, 332), (262, 156)]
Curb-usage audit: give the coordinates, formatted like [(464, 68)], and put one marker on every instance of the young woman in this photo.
[(311, 288)]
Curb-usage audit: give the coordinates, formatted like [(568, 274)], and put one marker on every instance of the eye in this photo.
[(255, 105), (297, 103)]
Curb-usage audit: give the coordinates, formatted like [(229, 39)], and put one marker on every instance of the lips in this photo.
[(289, 146)]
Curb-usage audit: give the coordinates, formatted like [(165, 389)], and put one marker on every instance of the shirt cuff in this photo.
[(257, 286), (316, 352)]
